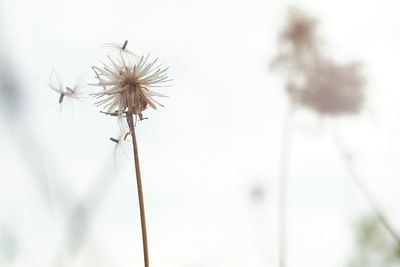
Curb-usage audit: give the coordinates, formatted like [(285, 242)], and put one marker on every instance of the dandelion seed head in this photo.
[(127, 84), (331, 89)]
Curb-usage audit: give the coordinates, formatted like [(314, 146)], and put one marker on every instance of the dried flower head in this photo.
[(127, 84), (331, 89)]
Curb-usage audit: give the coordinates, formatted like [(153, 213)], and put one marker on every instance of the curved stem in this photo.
[(129, 119), (373, 204), (286, 147)]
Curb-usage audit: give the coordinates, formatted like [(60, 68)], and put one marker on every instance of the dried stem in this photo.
[(129, 119), (373, 204), (286, 147)]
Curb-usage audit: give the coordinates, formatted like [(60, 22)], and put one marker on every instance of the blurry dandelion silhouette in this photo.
[(313, 80), (329, 89), (126, 85)]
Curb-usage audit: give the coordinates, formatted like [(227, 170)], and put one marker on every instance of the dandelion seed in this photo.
[(56, 85), (119, 48), (114, 114), (122, 137)]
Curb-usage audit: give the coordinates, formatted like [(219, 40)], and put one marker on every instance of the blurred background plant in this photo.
[(329, 90), (374, 247), (76, 215)]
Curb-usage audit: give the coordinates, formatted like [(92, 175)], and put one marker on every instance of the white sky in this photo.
[(216, 138)]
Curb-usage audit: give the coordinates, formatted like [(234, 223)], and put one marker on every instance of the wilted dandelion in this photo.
[(126, 84), (127, 91)]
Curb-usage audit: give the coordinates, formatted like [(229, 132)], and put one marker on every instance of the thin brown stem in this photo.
[(139, 187), (373, 204)]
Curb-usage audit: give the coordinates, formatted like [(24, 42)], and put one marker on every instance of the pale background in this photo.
[(216, 139)]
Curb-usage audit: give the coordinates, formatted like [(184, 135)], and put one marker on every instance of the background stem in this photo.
[(373, 204), (286, 147)]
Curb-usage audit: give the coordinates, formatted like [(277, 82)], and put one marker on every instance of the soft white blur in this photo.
[(215, 142)]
